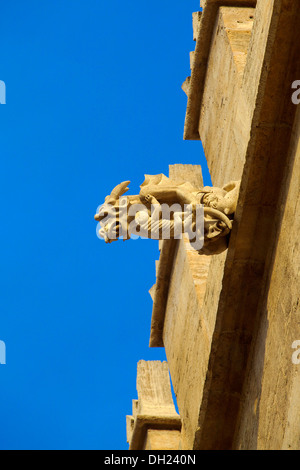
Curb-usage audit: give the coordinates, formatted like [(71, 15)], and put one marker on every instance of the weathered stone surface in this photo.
[(270, 415), (237, 367), (196, 24), (184, 314), (245, 399), (154, 390), (154, 410), (228, 322), (223, 104), (192, 174), (201, 57), (160, 439), (187, 332)]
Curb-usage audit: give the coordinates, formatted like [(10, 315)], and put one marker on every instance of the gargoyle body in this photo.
[(164, 206)]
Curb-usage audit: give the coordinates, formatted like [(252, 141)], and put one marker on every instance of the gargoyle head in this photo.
[(109, 213), (112, 200)]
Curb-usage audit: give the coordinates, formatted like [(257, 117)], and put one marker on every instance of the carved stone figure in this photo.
[(143, 214)]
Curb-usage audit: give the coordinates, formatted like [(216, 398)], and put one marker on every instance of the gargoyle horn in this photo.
[(119, 190)]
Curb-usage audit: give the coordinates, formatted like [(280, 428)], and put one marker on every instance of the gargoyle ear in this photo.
[(110, 200), (119, 190)]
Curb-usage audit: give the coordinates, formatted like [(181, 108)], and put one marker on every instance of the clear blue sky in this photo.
[(93, 98)]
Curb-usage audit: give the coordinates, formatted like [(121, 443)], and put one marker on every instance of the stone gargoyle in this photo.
[(166, 209)]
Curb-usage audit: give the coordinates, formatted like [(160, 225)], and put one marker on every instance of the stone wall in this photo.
[(241, 106), (270, 415), (228, 321)]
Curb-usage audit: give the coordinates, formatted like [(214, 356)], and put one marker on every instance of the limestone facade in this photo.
[(228, 321)]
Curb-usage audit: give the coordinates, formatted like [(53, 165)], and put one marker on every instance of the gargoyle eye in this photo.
[(123, 202)]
